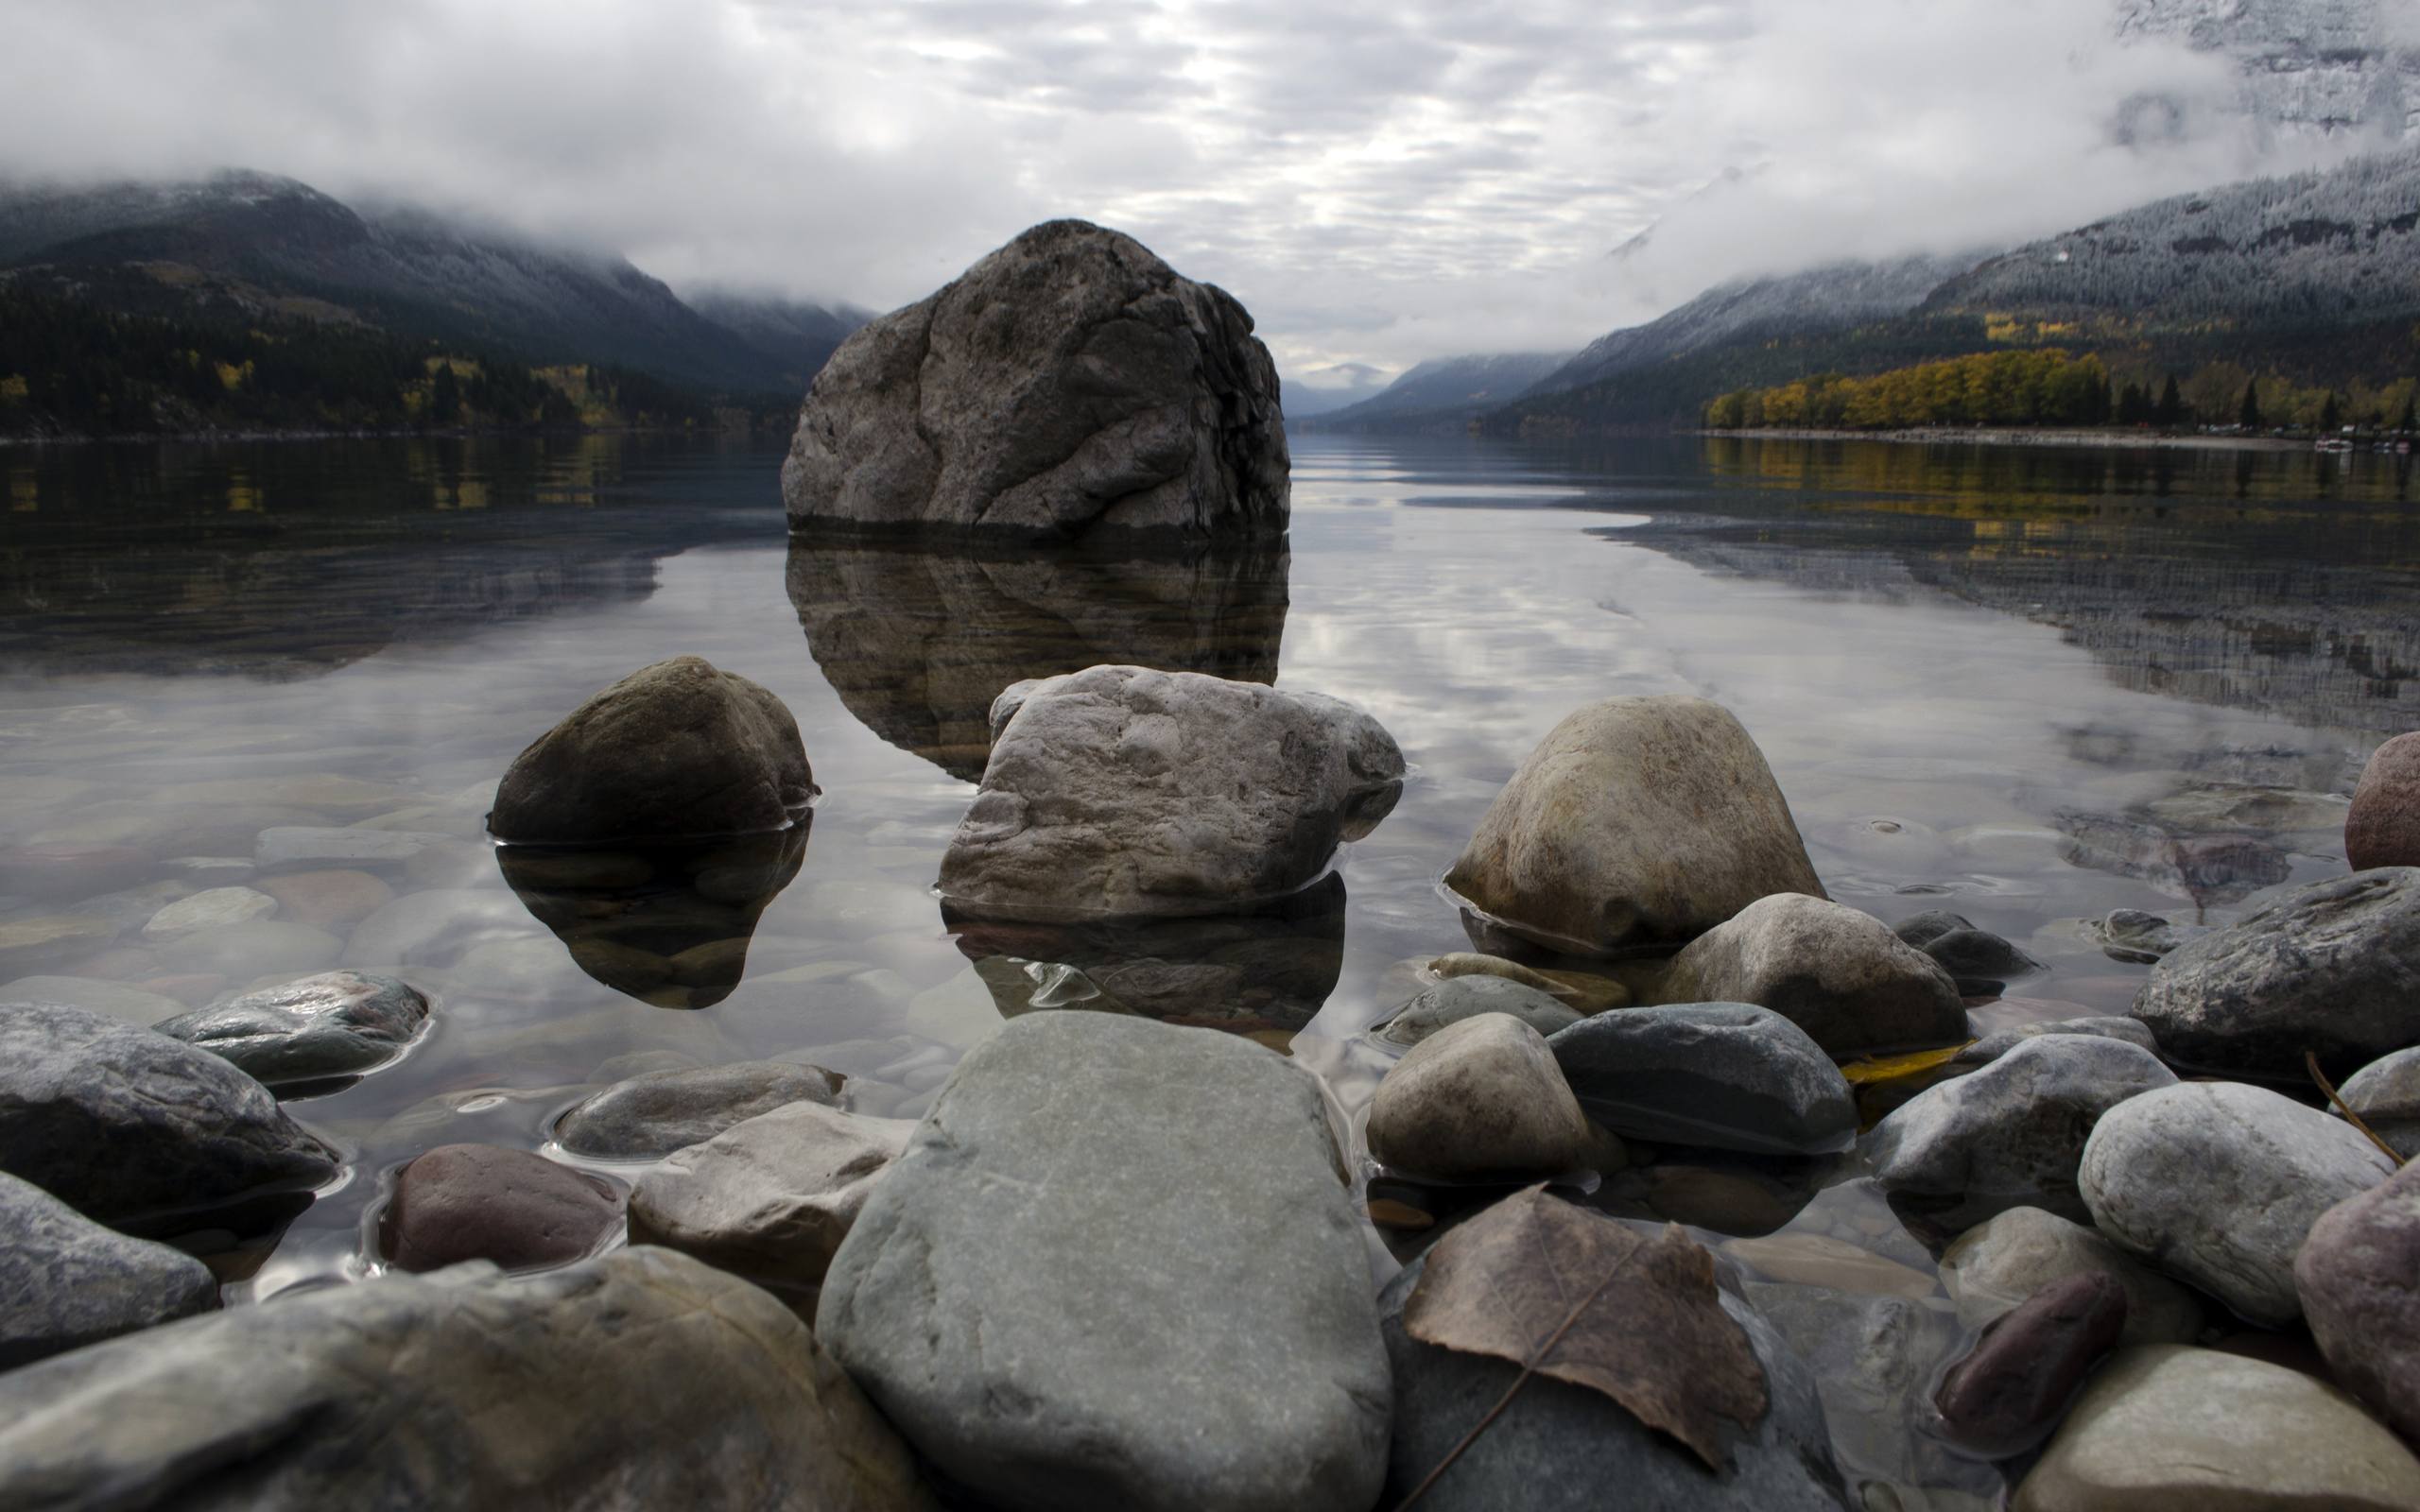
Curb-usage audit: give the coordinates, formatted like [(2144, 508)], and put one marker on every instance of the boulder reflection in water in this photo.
[(1265, 973), (919, 639), (665, 923)]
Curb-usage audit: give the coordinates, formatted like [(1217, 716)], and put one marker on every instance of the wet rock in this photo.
[(677, 748), (1479, 1098), (1997, 1265), (116, 998), (216, 908), (2000, 1042), (1819, 1260), (328, 899), (1561, 1446), (2166, 1429), (2009, 1389), (975, 1301), (1723, 1074), (2359, 1277), (2131, 935), (1123, 790), (2327, 969), (2009, 1135), (1636, 823), (461, 1202), (771, 1197), (641, 1379), (1728, 1196), (2385, 1094), (45, 941), (2382, 828), (1836, 973), (71, 871), (1979, 960), (2218, 1182), (292, 847), (339, 1024), (65, 1281), (648, 1117), (1583, 991), (127, 1125), (1068, 384), (1457, 998)]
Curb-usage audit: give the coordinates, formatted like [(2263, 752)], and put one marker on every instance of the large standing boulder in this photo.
[(2009, 1135), (131, 1127), (2359, 1277), (2327, 969), (2162, 1428), (1836, 973), (2220, 1182), (674, 749), (642, 1379), (1118, 1266), (1726, 1075), (1120, 790), (1480, 1099), (2382, 828), (337, 1024), (1637, 824), (1069, 382), (65, 1281)]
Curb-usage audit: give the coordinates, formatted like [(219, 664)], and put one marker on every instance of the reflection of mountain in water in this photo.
[(287, 562), (918, 641)]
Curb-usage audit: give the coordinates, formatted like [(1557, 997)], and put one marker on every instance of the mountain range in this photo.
[(261, 246)]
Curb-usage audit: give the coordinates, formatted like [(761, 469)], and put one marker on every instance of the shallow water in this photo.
[(2032, 685)]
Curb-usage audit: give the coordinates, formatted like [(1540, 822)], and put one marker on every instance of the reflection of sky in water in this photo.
[(1467, 597)]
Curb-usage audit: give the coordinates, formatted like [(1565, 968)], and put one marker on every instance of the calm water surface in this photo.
[(2030, 685)]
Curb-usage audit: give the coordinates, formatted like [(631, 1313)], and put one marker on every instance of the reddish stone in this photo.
[(462, 1202), (2382, 828), (2014, 1384), (2359, 1277)]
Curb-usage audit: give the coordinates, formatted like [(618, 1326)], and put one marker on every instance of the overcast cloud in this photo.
[(1378, 183)]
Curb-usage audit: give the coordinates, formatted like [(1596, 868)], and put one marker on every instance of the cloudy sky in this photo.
[(1378, 183)]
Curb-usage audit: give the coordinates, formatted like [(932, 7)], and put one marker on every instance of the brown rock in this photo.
[(2382, 828), (461, 1202), (1479, 1098), (2011, 1387), (325, 899), (2359, 1277)]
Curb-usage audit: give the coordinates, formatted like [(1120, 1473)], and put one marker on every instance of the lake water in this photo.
[(2029, 684)]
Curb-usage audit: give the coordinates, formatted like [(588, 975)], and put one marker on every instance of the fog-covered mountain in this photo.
[(2305, 67), (1449, 389), (272, 246), (2339, 245), (798, 335)]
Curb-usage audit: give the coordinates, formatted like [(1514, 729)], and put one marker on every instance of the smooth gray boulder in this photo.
[(2385, 1094), (648, 1117), (1979, 960), (1120, 790), (2219, 1183), (1637, 824), (2161, 1428), (642, 1378), (1836, 973), (1477, 1100), (2328, 969), (2000, 1262), (2358, 1279), (336, 1024), (1464, 997), (65, 1281), (771, 1197), (1559, 1446), (2009, 1135), (1118, 1265), (1728, 1075), (131, 1127), (1070, 383), (2105, 1026), (674, 750)]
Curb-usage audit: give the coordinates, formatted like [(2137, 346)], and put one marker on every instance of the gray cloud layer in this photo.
[(1378, 183)]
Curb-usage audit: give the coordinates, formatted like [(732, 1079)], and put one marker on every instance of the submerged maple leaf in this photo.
[(1577, 1295)]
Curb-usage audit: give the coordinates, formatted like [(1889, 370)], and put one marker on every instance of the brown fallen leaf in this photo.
[(1577, 1295)]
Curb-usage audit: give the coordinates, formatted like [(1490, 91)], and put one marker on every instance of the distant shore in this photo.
[(2031, 435)]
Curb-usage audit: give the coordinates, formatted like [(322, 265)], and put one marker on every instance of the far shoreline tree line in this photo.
[(2049, 388)]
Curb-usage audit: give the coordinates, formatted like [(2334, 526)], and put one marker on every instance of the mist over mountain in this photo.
[(2305, 67), (1449, 389)]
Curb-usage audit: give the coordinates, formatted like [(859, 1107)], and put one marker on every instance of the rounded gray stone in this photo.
[(1480, 1099), (1836, 972), (1463, 997), (1728, 1075), (2386, 1096), (66, 1282), (336, 1024), (651, 1116), (2001, 1261)]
